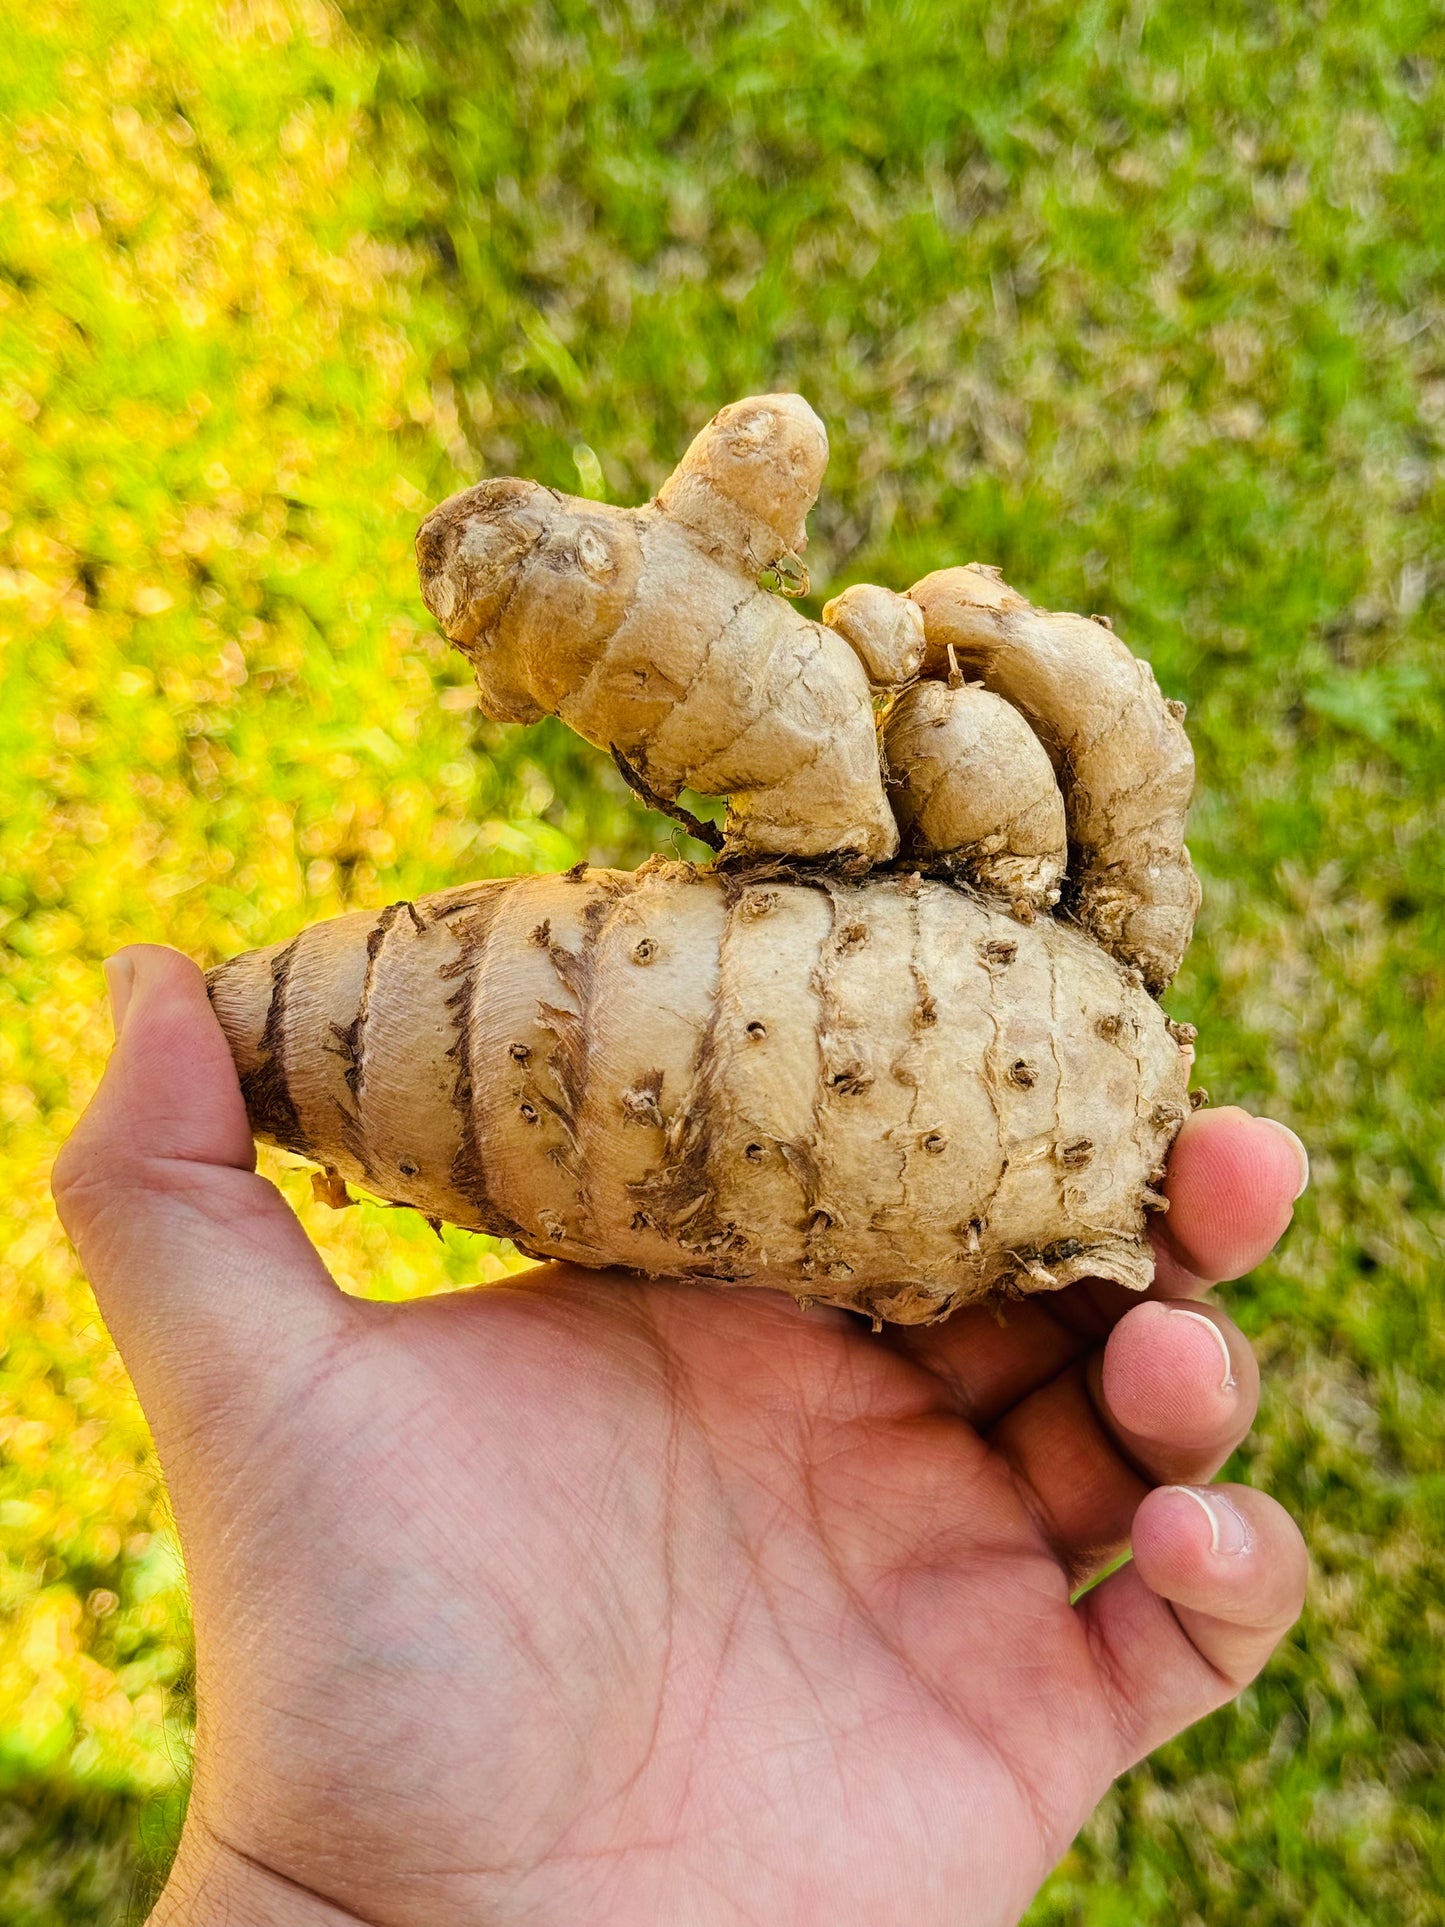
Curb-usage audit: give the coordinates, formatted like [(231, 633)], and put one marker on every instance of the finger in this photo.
[(1217, 1579), (205, 1277), (1231, 1184), (986, 1359), (1176, 1388), (1170, 1396)]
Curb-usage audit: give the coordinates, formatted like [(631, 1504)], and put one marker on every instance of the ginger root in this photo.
[(974, 787), (647, 631), (1119, 750), (885, 631), (888, 1094), (892, 1084)]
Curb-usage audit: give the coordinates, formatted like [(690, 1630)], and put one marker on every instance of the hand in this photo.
[(588, 1600)]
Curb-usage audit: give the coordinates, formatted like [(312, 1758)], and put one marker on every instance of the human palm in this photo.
[(591, 1600)]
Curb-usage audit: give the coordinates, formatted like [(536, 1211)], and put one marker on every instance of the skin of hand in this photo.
[(587, 1599)]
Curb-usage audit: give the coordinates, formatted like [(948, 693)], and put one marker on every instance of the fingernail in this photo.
[(1300, 1152), (1228, 1531), (119, 982), (1228, 1381)]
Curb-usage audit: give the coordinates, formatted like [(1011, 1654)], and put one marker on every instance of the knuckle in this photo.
[(98, 1176), (84, 1185), (73, 1172)]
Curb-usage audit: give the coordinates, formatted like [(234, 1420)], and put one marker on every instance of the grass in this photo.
[(1141, 302)]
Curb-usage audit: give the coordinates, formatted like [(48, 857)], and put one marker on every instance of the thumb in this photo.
[(210, 1287)]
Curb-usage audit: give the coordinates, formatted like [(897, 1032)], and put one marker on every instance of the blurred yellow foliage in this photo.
[(204, 566)]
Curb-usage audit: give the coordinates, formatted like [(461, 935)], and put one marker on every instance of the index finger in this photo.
[(1231, 1183)]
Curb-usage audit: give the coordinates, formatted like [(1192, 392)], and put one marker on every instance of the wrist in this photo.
[(213, 1885)]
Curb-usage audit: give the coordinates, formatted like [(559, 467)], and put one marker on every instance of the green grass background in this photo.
[(1142, 302)]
